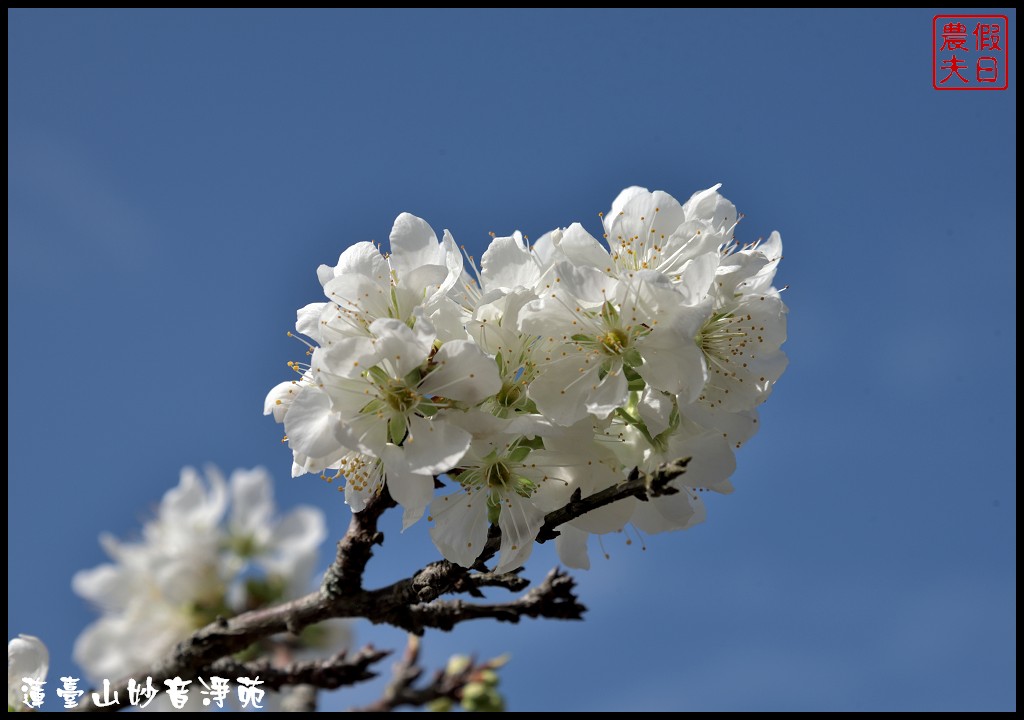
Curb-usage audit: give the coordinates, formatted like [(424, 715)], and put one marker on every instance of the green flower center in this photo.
[(614, 341), (400, 397), (510, 395), (498, 475)]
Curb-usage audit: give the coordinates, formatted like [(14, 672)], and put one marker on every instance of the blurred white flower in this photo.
[(28, 661), (214, 548)]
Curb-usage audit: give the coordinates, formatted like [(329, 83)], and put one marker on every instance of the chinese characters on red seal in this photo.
[(970, 52)]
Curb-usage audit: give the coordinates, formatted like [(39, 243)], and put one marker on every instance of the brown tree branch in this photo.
[(552, 599), (345, 575), (409, 603)]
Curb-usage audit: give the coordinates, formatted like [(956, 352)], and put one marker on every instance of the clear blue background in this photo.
[(175, 178)]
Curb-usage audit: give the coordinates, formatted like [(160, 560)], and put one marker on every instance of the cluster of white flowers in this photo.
[(550, 368), (195, 561)]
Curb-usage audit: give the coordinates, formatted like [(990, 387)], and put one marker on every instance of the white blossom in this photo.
[(506, 480), (553, 368), (197, 559)]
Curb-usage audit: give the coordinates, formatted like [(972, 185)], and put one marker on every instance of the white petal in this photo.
[(696, 278), (101, 585), (562, 388), (673, 366), (425, 280), (453, 261), (651, 287), (413, 243), (360, 293), (296, 570), (302, 464), (712, 208), (655, 409), (712, 460), (669, 512), (609, 394), (363, 258), (189, 508), (508, 264), (587, 284), (769, 316), (582, 248), (460, 526), (358, 494), (433, 446), (357, 497), (623, 199), (27, 657), (252, 502), (307, 320), (366, 433), (325, 273), (646, 215), (672, 361), (448, 319), (347, 357), (413, 491), (548, 316), (296, 536), (186, 575), (571, 544), (520, 521), (738, 427), (690, 240), (101, 650), (279, 399), (610, 518), (311, 424), (400, 347), (547, 249), (483, 425), (463, 373)]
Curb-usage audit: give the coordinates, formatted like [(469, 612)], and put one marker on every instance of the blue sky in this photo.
[(175, 178)]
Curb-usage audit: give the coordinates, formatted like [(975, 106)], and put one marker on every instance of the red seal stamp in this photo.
[(970, 52)]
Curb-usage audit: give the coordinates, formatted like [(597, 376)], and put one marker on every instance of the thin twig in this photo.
[(328, 674), (447, 684)]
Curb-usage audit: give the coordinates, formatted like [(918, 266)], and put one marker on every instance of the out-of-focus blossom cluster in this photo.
[(213, 549), (549, 368)]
